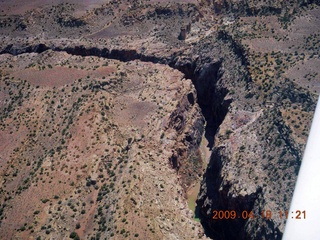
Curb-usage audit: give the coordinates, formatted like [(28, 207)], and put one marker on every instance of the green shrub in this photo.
[(74, 235)]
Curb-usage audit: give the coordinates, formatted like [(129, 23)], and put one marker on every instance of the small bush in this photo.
[(74, 235)]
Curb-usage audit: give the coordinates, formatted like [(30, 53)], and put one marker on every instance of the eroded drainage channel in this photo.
[(210, 98), (213, 107)]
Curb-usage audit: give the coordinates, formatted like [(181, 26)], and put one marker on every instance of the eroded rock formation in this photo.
[(104, 104)]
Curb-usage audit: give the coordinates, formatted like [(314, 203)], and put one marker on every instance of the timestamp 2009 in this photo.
[(266, 214)]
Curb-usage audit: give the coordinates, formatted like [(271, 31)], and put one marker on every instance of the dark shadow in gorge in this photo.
[(210, 96), (217, 198)]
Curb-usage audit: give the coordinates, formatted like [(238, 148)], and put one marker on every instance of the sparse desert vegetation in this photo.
[(117, 115)]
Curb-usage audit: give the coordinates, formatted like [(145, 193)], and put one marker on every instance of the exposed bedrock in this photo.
[(214, 107), (212, 92), (253, 8), (246, 171), (220, 189), (213, 78), (211, 97), (220, 199), (82, 50), (206, 78), (215, 195)]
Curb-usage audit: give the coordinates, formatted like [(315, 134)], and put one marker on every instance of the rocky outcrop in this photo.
[(254, 156), (83, 50), (184, 31), (70, 21), (252, 8), (215, 196), (188, 123)]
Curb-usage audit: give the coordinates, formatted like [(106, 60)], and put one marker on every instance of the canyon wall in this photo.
[(103, 113)]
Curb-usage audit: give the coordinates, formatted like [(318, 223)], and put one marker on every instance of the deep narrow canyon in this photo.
[(119, 117), (210, 97)]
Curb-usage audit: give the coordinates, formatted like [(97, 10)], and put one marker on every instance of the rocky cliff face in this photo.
[(100, 150), (109, 108), (256, 153)]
